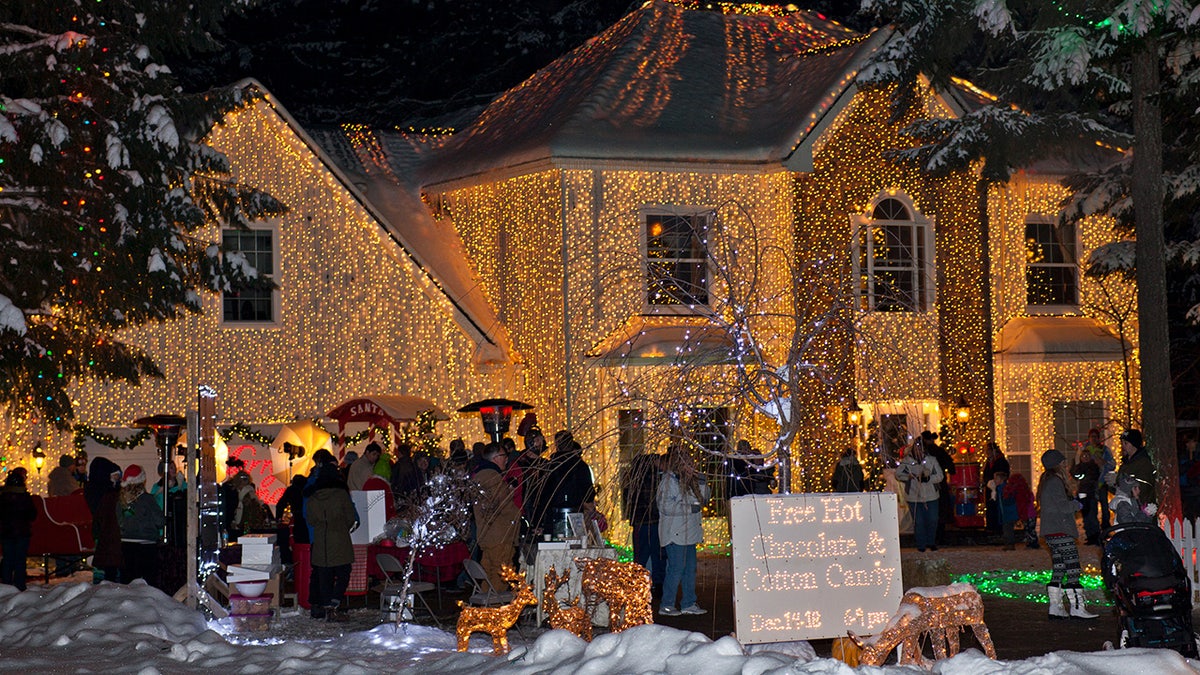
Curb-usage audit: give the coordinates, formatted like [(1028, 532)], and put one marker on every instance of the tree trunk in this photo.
[(1158, 405)]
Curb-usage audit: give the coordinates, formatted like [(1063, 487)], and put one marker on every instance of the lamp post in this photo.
[(39, 458), (854, 417), (962, 414)]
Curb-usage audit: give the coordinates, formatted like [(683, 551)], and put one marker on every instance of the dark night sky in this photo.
[(386, 63)]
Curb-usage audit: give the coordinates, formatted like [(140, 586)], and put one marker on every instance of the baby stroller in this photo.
[(1153, 594)]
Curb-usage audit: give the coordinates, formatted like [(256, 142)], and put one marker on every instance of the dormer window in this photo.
[(894, 258), (675, 262), (1051, 267)]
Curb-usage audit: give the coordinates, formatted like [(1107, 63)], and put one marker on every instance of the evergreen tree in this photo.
[(1079, 71), (104, 181)]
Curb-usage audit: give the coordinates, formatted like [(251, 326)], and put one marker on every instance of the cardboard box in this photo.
[(249, 623), (236, 573), (240, 604), (260, 555), (372, 515), (257, 540)]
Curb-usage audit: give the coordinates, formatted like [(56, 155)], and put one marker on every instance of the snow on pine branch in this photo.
[(994, 17), (11, 317), (1115, 257), (1064, 55), (59, 42)]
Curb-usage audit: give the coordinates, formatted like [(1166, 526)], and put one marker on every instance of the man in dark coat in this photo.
[(568, 483), (848, 474), (17, 513), (1136, 462), (748, 476), (101, 492), (640, 506)]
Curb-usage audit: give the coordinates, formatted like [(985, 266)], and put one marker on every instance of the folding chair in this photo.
[(484, 594), (389, 565), (441, 565)]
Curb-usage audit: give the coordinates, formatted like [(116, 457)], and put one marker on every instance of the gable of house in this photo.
[(354, 313)]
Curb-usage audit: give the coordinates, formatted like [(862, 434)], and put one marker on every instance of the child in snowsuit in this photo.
[(1018, 488)]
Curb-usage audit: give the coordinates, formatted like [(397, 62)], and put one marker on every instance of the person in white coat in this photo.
[(681, 496), (920, 476)]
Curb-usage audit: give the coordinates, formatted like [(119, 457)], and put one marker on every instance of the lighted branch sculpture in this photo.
[(442, 513), (765, 331)]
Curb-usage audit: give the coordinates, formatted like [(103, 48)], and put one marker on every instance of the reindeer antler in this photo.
[(510, 575)]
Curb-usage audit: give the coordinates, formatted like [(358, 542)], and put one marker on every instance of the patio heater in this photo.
[(496, 414), (166, 430)]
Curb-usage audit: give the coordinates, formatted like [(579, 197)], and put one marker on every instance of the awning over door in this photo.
[(1059, 338), (663, 340)]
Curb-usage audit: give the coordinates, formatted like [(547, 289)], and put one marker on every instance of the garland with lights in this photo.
[(83, 432), (245, 432)]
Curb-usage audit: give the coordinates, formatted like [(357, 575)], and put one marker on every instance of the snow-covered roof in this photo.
[(667, 84), (394, 201)]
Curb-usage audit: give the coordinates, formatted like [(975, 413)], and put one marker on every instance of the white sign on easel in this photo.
[(812, 566)]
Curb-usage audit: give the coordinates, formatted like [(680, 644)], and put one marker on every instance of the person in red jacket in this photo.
[(1017, 487)]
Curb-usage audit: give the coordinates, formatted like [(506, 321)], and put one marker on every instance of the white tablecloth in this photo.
[(561, 559)]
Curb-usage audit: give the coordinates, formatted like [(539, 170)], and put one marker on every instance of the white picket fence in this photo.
[(1183, 535)]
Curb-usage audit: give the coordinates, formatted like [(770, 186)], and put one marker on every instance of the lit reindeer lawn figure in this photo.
[(939, 616), (624, 586), (496, 621), (572, 618)]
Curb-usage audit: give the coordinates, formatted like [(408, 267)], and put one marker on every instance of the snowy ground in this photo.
[(78, 627)]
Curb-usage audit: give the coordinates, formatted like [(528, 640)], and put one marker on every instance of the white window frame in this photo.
[(1073, 265), (922, 268), (276, 296), (709, 216)]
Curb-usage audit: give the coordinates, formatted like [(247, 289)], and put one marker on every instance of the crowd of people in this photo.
[(523, 497), (526, 495)]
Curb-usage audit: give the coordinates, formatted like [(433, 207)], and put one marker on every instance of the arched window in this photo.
[(894, 258)]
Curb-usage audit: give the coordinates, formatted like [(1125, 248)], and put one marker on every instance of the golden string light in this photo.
[(939, 617), (571, 618), (355, 315), (625, 586), (495, 621)]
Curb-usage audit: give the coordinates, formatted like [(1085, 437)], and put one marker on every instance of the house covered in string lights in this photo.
[(708, 190), (360, 308), (687, 227)]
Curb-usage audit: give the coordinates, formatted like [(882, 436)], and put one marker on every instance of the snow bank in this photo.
[(111, 628), (82, 612)]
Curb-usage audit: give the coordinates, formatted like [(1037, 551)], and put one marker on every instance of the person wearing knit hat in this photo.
[(1136, 462), (141, 521), (1058, 508), (1052, 458), (134, 475)]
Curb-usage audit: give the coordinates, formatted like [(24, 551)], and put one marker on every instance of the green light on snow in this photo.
[(1029, 586)]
